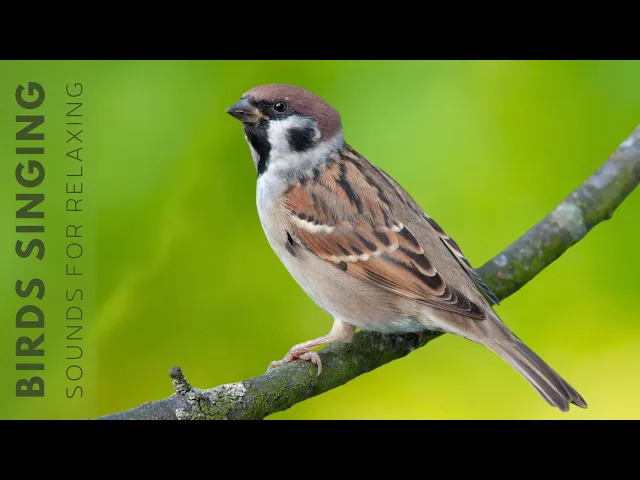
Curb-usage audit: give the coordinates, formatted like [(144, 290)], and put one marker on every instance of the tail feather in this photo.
[(570, 393), (546, 381)]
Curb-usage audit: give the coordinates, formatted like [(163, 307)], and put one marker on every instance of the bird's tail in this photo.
[(551, 386)]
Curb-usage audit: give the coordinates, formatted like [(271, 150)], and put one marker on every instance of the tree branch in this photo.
[(255, 398)]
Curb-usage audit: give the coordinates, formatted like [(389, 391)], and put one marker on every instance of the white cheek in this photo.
[(286, 163), (278, 129)]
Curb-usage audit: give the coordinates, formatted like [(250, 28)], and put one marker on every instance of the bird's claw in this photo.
[(293, 355)]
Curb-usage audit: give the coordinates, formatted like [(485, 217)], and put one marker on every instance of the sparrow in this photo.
[(360, 246)]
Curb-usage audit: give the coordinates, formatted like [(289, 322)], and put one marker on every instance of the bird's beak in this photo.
[(245, 112)]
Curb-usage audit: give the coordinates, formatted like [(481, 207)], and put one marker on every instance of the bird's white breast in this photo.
[(269, 191)]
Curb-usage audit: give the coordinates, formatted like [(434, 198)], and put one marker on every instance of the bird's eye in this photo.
[(280, 106)]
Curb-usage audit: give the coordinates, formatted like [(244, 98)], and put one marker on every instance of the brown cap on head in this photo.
[(302, 102)]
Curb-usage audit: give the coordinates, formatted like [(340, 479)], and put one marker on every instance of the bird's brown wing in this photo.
[(449, 242), (341, 215), (457, 252)]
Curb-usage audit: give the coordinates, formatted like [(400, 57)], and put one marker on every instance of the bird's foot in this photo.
[(298, 354), (302, 351)]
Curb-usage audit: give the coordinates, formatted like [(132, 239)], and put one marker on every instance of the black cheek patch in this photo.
[(301, 138)]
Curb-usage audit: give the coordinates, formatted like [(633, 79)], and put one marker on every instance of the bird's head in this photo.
[(286, 124)]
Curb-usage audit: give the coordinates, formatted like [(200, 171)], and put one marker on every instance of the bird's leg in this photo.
[(341, 332)]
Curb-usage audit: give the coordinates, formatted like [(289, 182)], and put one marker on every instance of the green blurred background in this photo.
[(178, 272)]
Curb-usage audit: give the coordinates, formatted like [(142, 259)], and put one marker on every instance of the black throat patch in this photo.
[(257, 136)]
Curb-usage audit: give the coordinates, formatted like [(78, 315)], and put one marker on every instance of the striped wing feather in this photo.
[(341, 216)]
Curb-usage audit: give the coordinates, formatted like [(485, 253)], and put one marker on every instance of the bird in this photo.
[(360, 246)]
